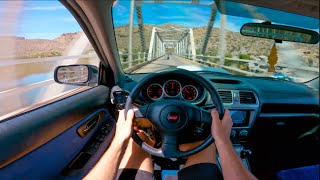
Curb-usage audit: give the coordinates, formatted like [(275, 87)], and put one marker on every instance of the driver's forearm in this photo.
[(232, 166), (108, 165)]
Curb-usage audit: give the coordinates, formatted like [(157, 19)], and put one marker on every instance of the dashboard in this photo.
[(243, 104), (257, 105)]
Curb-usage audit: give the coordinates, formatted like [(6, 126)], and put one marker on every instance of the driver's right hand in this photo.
[(220, 129)]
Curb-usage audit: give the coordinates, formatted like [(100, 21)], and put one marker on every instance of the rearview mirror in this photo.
[(280, 33), (78, 75)]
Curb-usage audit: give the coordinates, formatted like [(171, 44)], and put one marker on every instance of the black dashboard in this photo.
[(251, 100)]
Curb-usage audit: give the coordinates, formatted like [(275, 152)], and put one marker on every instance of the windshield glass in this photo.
[(198, 37)]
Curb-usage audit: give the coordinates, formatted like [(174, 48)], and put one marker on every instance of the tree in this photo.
[(273, 58)]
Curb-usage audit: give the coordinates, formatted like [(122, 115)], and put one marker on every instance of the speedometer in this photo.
[(189, 93), (154, 91), (172, 88)]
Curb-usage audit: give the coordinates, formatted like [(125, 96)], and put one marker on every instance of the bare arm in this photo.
[(108, 165), (232, 166)]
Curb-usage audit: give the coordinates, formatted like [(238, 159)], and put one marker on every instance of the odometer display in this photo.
[(154, 91), (189, 93), (172, 88)]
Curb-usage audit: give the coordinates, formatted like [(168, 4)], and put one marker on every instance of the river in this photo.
[(23, 85)]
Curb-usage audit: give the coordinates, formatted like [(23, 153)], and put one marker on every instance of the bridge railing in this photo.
[(249, 67), (138, 59)]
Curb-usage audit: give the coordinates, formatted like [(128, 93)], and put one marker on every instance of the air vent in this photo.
[(247, 98), (226, 96)]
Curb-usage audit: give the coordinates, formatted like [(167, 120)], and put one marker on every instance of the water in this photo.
[(15, 92)]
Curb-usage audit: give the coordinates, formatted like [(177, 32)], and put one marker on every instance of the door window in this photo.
[(36, 37)]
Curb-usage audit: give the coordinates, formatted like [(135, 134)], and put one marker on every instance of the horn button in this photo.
[(173, 117)]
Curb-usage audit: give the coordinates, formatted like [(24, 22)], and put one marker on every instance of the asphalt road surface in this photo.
[(163, 63)]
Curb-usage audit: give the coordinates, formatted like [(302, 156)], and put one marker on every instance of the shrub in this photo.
[(228, 62), (228, 55), (244, 56)]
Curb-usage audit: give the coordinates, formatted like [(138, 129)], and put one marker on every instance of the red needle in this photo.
[(172, 84)]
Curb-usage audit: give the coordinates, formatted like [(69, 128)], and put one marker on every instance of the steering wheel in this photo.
[(170, 116)]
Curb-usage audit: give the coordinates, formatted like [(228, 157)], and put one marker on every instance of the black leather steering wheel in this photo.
[(171, 116)]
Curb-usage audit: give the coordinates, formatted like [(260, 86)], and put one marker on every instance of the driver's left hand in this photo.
[(124, 127)]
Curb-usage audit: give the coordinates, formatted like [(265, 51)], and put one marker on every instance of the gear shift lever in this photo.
[(245, 153)]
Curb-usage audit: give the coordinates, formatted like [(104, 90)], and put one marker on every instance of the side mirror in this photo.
[(77, 75)]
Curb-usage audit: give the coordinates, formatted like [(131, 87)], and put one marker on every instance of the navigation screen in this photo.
[(239, 118)]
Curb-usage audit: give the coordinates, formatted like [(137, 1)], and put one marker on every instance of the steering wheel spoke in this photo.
[(140, 111), (170, 147), (199, 114), (205, 116)]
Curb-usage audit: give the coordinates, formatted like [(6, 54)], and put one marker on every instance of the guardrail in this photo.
[(217, 58), (140, 58)]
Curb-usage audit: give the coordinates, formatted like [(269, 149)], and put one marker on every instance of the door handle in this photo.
[(90, 125)]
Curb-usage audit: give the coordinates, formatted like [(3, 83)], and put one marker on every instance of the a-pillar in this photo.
[(130, 33)]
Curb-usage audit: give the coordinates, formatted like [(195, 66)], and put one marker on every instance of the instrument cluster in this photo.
[(174, 89)]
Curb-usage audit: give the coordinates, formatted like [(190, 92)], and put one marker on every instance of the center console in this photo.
[(243, 107), (242, 121)]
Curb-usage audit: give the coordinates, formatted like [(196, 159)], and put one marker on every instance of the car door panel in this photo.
[(41, 143)]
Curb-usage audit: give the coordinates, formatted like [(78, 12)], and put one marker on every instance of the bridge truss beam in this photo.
[(182, 39)]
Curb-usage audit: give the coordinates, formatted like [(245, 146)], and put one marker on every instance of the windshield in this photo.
[(176, 34)]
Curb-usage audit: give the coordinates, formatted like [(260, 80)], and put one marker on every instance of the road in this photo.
[(289, 55), (163, 63)]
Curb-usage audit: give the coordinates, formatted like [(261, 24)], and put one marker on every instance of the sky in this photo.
[(49, 19)]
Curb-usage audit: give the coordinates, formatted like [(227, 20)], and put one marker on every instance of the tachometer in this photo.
[(154, 91), (189, 93), (172, 88)]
